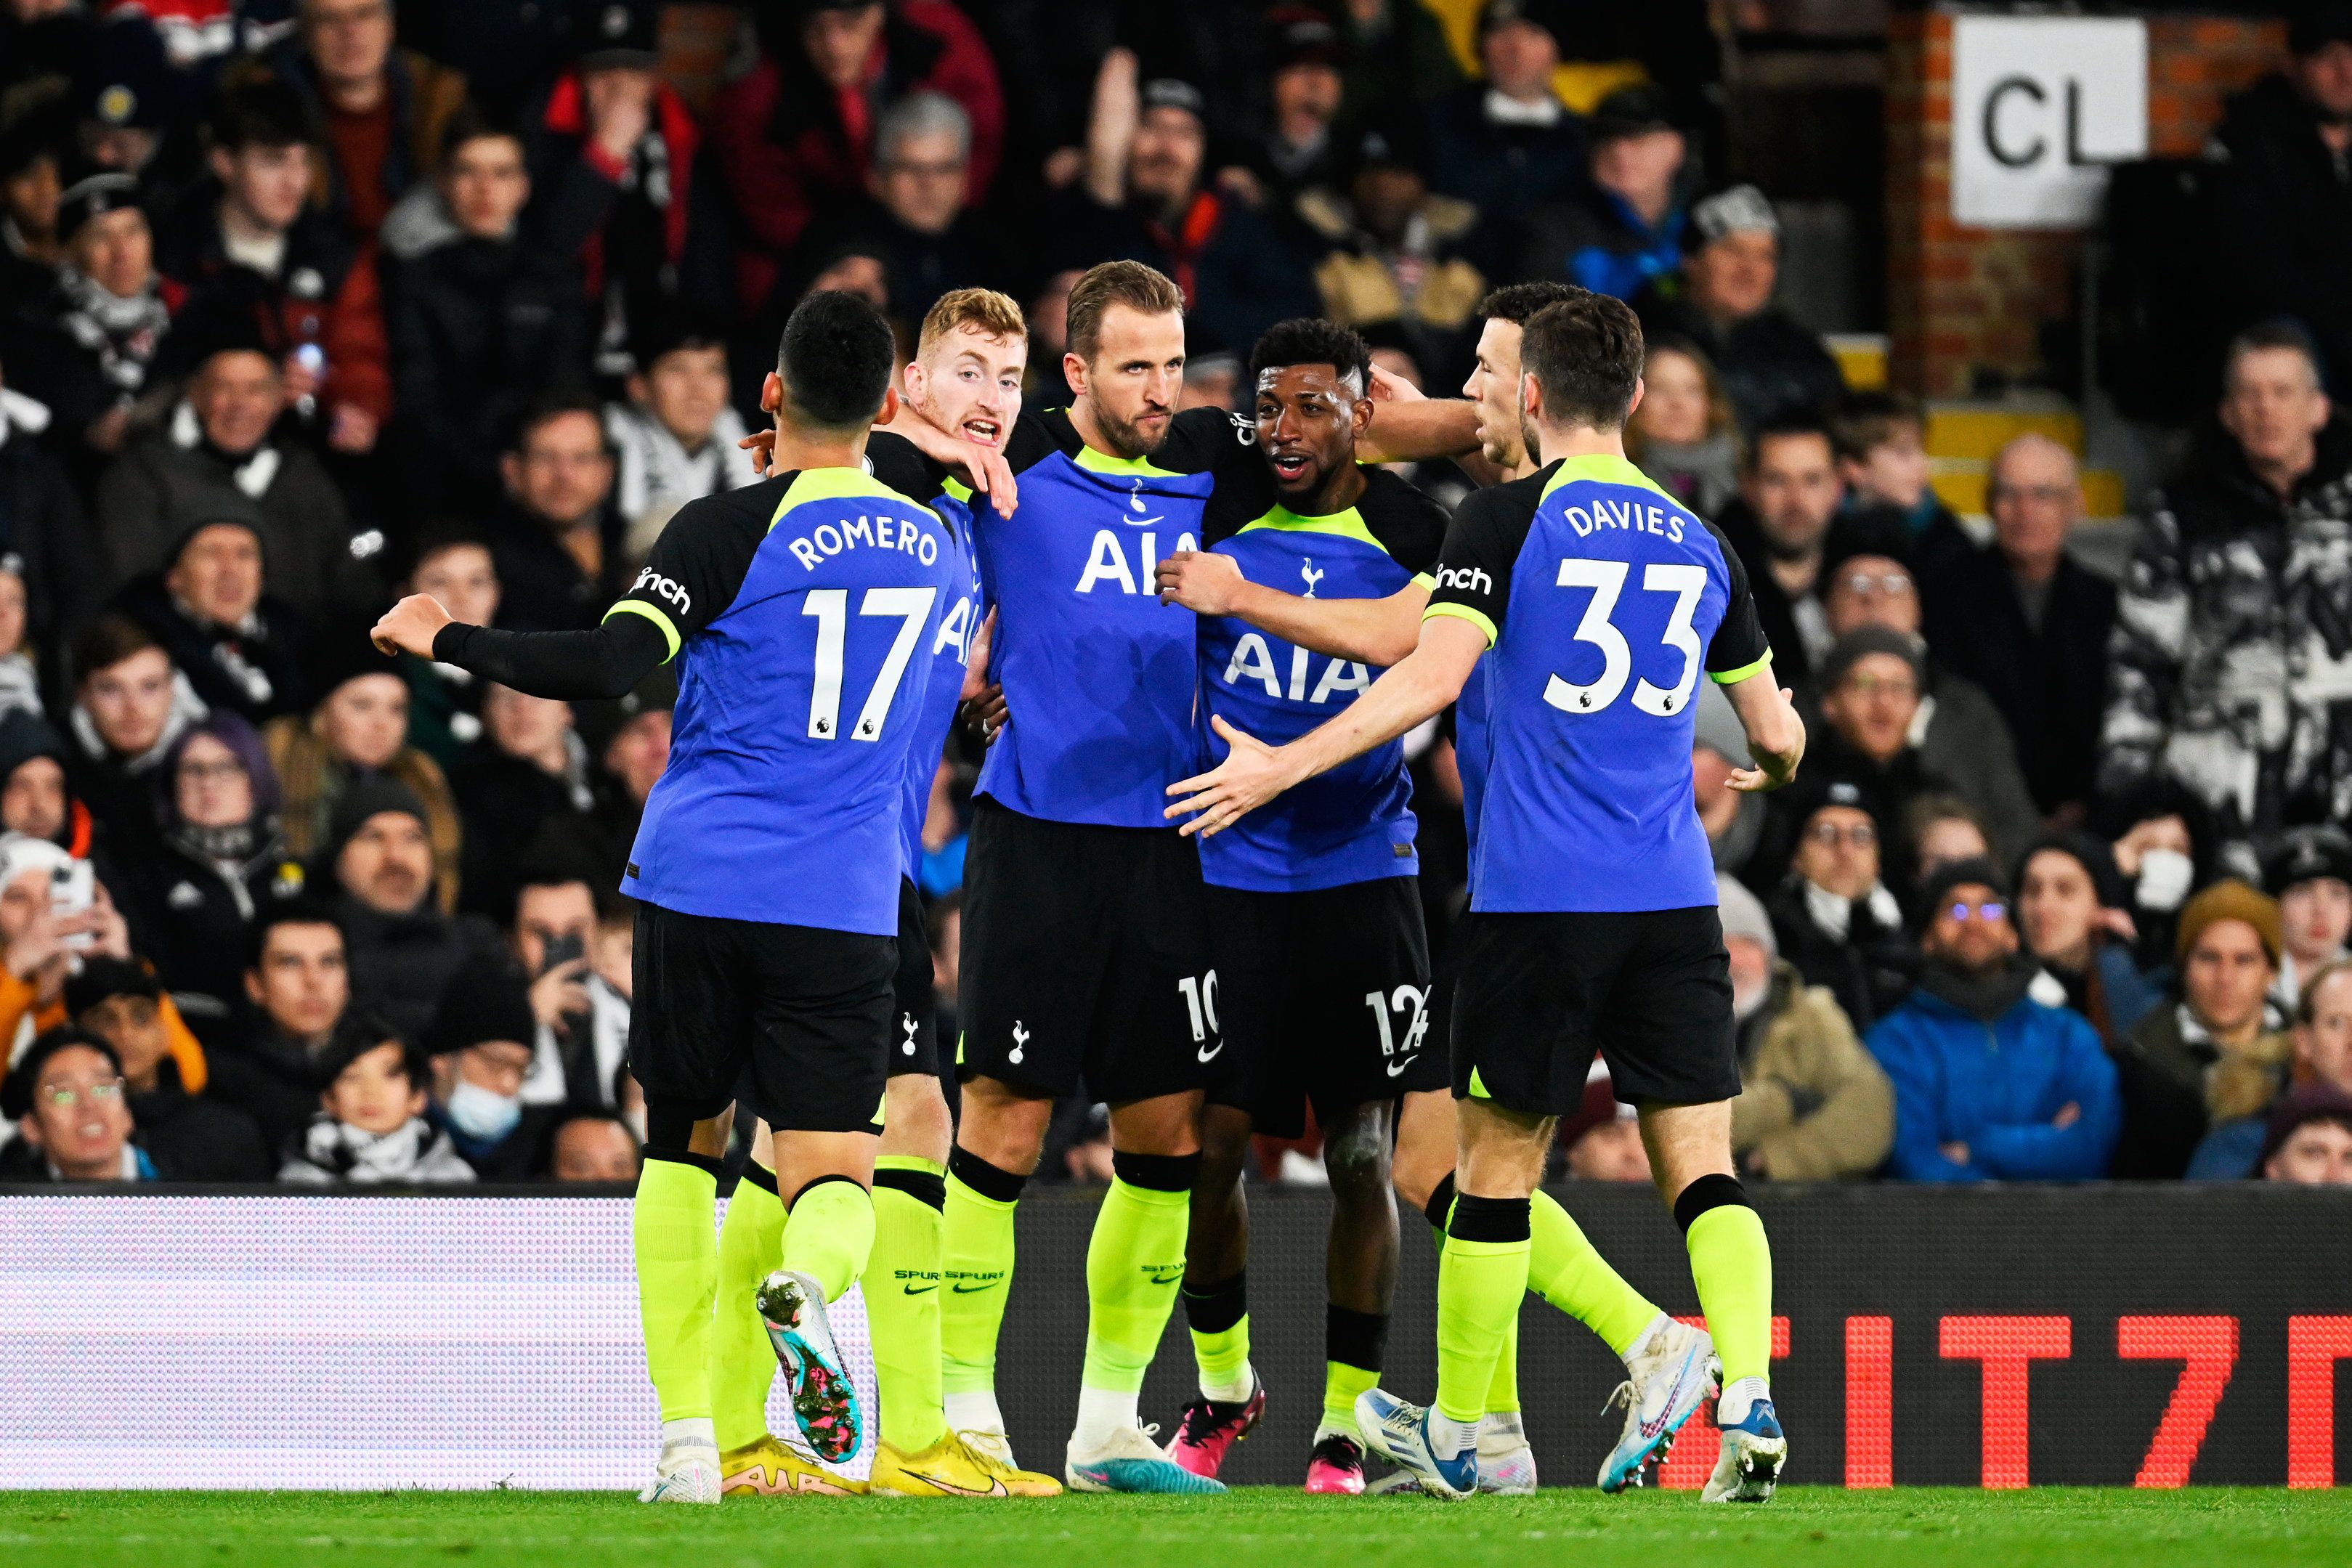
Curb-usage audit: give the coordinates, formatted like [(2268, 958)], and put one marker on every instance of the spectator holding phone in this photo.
[(52, 909), (580, 1044)]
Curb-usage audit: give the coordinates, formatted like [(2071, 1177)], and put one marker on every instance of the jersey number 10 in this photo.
[(831, 608), (1607, 580)]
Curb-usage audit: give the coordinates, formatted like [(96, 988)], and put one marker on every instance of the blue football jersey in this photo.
[(804, 611), (950, 655), (1355, 822), (1603, 600), (1100, 678)]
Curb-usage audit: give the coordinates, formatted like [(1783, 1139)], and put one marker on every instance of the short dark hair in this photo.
[(1866, 420), (2278, 333), (546, 410), (470, 124), (1585, 352), (261, 112), (1312, 341), (287, 911), (109, 640), (1781, 427), (1128, 283), (835, 359), (17, 1088), (1518, 303)]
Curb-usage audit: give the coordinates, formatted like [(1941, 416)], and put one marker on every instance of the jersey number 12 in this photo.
[(831, 608), (1607, 580)]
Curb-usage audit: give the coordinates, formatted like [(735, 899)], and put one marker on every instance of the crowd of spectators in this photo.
[(308, 303)]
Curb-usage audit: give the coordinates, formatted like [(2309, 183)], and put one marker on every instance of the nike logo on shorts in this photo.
[(1396, 1068), (1209, 1052)]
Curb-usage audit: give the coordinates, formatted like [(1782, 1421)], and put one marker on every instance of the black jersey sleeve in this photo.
[(1036, 435), (1210, 441), (698, 564), (904, 466), (1473, 568), (1408, 525), (602, 662), (1738, 648)]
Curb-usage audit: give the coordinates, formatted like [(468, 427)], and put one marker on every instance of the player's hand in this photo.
[(761, 445), (562, 992), (110, 934), (985, 714), (1201, 581), (1250, 776), (991, 475), (1772, 769), (975, 663), (1389, 388), (410, 626)]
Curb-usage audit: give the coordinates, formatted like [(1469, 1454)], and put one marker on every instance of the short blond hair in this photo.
[(984, 310)]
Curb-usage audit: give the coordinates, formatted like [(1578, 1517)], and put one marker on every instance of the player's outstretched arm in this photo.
[(1419, 430), (1378, 631), (1776, 736), (984, 467), (1417, 688), (569, 666)]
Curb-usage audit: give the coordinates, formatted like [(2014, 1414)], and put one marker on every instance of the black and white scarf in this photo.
[(123, 333)]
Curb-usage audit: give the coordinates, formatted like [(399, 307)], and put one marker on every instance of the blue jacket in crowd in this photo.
[(1994, 1087)]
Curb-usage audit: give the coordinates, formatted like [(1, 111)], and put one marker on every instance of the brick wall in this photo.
[(1970, 305)]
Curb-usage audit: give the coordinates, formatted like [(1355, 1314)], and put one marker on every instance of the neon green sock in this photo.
[(976, 1269), (1479, 1284), (828, 1235), (742, 1362), (1570, 1272), (1218, 1320), (678, 1278), (1502, 1387), (902, 1301), (1341, 1383), (1135, 1261), (1731, 1263)]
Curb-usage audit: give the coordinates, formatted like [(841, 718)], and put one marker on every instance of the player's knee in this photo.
[(991, 1181), (915, 1118), (1713, 1190), (1006, 1129), (1160, 1173), (1356, 1154), (1168, 1125)]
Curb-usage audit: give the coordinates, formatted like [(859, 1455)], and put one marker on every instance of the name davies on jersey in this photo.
[(1253, 660), (1608, 514), (825, 540)]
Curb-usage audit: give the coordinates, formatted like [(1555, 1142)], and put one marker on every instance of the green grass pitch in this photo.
[(1817, 1527)]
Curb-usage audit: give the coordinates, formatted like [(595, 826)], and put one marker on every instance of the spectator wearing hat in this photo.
[(630, 739), (593, 1146), (2283, 196), (34, 799), (192, 901), (1832, 918), (1990, 1084), (66, 1095), (110, 311), (355, 732), (486, 309), (2233, 604), (1143, 196), (248, 241), (42, 938), (917, 205), (217, 457), (130, 703), (1507, 144), (2308, 1140), (560, 543), (129, 97), (239, 645), (190, 1135), (1959, 734), (1812, 1104), (673, 439), (2309, 872), (612, 138), (44, 542), (401, 948), (445, 703), (1398, 256), (2073, 915), (2221, 1052), (1302, 145), (271, 1060), (2022, 620), (528, 772), (2323, 1063), (480, 1040), (1683, 435), (1624, 227), (381, 108), (370, 1129), (796, 134), (1721, 299)]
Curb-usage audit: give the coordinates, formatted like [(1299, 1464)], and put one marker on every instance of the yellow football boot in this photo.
[(950, 1469), (769, 1469)]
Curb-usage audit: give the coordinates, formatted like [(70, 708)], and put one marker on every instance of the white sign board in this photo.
[(2040, 105)]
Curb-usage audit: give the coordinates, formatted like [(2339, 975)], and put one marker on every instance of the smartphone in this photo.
[(561, 950), (71, 891)]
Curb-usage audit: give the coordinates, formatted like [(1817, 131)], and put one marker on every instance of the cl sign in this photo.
[(2040, 106)]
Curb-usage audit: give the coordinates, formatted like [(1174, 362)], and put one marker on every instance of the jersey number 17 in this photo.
[(831, 608)]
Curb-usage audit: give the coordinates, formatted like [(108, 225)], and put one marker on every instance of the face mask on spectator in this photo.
[(2163, 878), (484, 1116)]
